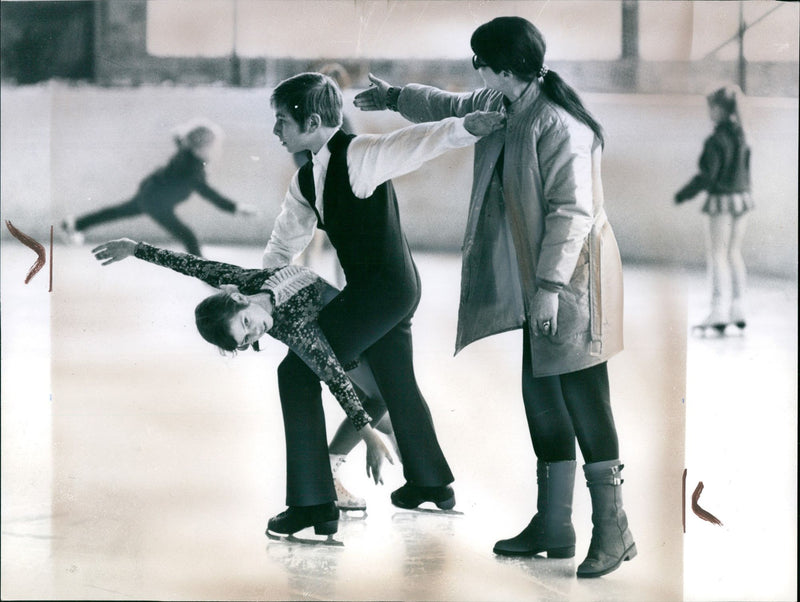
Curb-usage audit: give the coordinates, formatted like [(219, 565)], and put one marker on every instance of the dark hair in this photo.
[(727, 99), (515, 45), (213, 316), (308, 93)]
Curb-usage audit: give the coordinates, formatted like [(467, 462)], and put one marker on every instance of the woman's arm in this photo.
[(420, 103), (210, 272), (565, 162)]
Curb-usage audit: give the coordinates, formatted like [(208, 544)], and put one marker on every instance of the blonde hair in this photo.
[(197, 134)]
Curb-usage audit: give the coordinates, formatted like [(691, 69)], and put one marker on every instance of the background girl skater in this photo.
[(539, 254), (725, 175), (345, 190), (161, 191), (282, 302)]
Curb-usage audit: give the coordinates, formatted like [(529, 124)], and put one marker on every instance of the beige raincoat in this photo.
[(539, 224)]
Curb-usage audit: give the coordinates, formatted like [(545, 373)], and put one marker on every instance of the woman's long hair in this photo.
[(515, 44)]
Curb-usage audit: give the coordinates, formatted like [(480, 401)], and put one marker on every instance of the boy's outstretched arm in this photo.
[(373, 159)]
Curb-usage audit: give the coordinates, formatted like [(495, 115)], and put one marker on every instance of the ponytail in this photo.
[(562, 94)]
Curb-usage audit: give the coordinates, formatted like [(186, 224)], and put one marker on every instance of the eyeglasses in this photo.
[(477, 63)]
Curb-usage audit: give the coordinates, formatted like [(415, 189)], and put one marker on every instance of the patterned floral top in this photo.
[(297, 298)]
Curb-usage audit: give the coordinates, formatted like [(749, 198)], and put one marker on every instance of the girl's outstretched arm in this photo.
[(213, 273)]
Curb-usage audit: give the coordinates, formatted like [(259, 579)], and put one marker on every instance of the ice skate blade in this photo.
[(352, 514), (419, 510), (717, 331), (306, 541)]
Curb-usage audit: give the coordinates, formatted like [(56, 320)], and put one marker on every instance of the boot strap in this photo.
[(613, 480)]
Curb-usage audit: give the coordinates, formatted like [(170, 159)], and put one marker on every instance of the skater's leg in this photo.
[(308, 476), (107, 214), (170, 222), (718, 242), (588, 400), (549, 422), (738, 270)]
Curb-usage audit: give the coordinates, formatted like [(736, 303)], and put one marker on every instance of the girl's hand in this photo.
[(376, 452), (374, 97), (246, 209), (483, 123), (545, 313), (114, 250)]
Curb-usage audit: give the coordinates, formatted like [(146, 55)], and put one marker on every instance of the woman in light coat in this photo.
[(539, 254)]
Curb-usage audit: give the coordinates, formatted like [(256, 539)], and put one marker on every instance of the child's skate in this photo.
[(714, 324)]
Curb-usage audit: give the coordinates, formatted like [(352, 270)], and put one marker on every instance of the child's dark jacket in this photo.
[(724, 164), (176, 181)]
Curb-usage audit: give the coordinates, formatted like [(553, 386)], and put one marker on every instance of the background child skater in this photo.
[(725, 175), (161, 191), (283, 303)]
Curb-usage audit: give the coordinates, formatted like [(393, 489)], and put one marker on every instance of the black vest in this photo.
[(366, 233)]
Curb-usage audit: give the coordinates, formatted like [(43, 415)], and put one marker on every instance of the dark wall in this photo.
[(42, 40)]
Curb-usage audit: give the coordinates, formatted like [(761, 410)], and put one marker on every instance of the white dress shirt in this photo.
[(372, 159)]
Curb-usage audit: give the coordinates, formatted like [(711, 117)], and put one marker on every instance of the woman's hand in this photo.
[(374, 97), (376, 452), (114, 250), (545, 313), (483, 123)]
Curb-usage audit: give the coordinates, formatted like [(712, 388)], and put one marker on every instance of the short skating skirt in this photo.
[(735, 203)]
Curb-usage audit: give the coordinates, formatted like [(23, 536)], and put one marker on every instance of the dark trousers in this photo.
[(377, 324), (567, 406), (164, 217)]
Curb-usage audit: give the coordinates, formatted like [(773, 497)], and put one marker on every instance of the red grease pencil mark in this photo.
[(704, 514), (683, 497), (34, 245)]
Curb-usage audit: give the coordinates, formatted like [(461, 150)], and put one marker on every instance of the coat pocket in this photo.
[(573, 300)]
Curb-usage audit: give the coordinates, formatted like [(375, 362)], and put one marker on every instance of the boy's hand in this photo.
[(114, 250), (483, 123), (374, 97)]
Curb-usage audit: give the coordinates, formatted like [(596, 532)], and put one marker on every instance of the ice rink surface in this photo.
[(137, 463)]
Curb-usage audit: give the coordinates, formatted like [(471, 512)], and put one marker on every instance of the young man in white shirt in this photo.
[(346, 190)]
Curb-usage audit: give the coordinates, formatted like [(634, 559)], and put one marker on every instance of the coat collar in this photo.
[(525, 101)]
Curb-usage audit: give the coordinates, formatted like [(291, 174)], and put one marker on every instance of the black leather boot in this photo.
[(323, 517), (612, 542), (550, 530)]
